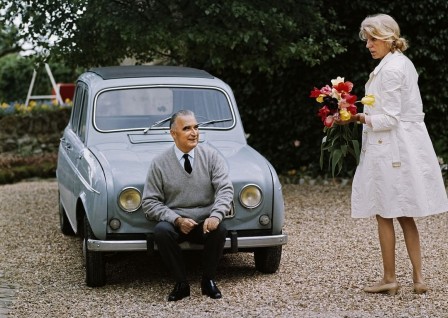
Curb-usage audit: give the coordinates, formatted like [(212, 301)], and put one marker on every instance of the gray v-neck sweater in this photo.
[(171, 192)]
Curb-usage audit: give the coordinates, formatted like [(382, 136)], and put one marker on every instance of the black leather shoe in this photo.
[(180, 290), (210, 289)]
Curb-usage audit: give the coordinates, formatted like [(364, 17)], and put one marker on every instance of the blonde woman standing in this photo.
[(398, 175)]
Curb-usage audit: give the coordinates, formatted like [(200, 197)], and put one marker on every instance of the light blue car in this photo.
[(119, 122)]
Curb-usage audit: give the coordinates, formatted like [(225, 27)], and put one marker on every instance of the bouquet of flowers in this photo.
[(339, 141)]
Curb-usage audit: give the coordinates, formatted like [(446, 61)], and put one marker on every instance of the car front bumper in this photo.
[(231, 243)]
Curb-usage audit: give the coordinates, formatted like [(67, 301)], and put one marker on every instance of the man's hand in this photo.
[(185, 225), (211, 224)]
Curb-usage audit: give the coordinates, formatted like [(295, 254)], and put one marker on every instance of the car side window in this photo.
[(83, 119), (78, 107), (77, 103)]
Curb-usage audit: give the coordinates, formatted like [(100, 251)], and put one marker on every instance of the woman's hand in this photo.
[(360, 117)]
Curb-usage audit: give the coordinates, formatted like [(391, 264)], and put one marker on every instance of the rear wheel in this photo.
[(64, 223), (267, 259), (94, 261)]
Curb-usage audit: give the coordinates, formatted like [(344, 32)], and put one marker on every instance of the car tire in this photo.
[(94, 261), (267, 259), (64, 223)]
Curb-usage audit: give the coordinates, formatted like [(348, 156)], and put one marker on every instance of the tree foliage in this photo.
[(16, 72), (9, 40), (423, 25), (271, 53), (246, 35)]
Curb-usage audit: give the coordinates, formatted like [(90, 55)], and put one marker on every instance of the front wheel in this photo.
[(94, 261), (267, 259)]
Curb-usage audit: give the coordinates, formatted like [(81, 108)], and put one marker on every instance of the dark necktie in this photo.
[(187, 163)]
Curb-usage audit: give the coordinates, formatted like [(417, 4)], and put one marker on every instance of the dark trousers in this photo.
[(167, 238)]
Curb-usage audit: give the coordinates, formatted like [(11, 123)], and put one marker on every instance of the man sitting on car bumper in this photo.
[(188, 191)]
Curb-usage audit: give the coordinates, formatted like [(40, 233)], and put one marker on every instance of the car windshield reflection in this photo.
[(147, 108)]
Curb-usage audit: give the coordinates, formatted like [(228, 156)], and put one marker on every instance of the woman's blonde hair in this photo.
[(383, 27)]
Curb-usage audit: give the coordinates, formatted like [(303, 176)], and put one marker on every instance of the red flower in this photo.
[(345, 87), (349, 98), (323, 113), (336, 103), (352, 109), (315, 92), (334, 99)]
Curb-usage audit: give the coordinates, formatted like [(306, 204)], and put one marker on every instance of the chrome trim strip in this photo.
[(84, 181), (140, 245)]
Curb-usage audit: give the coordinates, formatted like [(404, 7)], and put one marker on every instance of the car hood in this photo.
[(126, 165)]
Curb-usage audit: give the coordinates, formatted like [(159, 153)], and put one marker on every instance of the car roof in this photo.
[(137, 71)]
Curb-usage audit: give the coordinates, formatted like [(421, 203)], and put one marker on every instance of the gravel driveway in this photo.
[(327, 261)]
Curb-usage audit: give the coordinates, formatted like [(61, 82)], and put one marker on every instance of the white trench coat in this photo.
[(398, 173)]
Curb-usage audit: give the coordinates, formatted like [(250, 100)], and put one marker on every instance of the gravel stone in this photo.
[(329, 258)]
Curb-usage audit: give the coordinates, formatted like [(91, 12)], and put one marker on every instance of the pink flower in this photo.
[(327, 90), (328, 122)]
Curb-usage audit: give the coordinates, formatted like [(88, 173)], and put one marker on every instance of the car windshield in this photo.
[(142, 107)]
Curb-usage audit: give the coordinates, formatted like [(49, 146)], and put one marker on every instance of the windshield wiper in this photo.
[(157, 123), (205, 123)]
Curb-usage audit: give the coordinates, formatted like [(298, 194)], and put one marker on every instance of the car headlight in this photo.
[(130, 199), (251, 196)]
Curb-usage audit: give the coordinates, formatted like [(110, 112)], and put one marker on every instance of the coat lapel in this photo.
[(383, 62)]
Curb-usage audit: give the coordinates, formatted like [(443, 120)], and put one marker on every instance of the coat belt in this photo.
[(413, 117)]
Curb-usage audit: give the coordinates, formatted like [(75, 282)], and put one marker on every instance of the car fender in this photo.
[(278, 203), (93, 193)]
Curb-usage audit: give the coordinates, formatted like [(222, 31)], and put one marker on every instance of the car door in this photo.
[(72, 144)]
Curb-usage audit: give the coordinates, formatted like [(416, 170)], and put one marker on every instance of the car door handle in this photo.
[(65, 143)]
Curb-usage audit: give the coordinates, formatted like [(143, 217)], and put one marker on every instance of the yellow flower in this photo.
[(344, 114), (368, 100), (18, 107), (320, 98), (4, 105)]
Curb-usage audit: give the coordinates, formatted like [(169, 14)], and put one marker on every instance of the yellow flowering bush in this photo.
[(32, 107)]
